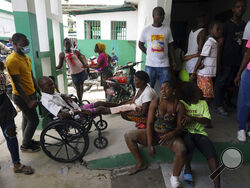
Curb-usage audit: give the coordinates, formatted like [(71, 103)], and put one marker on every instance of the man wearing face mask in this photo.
[(24, 89)]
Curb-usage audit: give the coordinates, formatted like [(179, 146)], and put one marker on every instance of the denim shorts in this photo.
[(158, 73), (79, 77)]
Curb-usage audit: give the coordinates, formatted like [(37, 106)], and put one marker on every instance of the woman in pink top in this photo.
[(77, 64), (243, 111), (102, 63)]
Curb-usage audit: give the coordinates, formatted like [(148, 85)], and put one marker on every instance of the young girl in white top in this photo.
[(206, 65)]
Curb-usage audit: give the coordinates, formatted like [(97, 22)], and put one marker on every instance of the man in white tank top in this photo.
[(196, 41)]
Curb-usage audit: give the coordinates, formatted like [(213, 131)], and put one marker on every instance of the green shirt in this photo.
[(199, 110)]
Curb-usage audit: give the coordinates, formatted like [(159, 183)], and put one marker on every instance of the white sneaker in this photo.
[(175, 183), (248, 133), (242, 135)]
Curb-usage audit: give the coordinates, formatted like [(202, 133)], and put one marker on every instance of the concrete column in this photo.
[(41, 22)]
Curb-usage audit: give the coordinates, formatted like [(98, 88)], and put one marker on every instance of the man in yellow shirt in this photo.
[(24, 89)]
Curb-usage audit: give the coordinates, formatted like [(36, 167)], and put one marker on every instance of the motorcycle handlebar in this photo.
[(130, 64)]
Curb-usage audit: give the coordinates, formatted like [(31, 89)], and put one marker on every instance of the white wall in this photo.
[(145, 9), (145, 18), (7, 26), (5, 5), (130, 17)]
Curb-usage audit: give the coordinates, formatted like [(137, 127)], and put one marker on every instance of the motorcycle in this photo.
[(121, 86), (93, 75)]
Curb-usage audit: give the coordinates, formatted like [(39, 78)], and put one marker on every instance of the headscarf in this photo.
[(102, 48)]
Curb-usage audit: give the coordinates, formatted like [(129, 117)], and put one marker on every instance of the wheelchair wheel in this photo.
[(86, 123), (101, 142), (64, 141), (102, 125)]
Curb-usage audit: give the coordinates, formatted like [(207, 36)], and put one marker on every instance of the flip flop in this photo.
[(221, 111), (188, 179), (135, 170), (24, 170)]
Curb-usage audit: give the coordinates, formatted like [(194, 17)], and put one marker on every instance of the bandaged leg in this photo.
[(123, 108)]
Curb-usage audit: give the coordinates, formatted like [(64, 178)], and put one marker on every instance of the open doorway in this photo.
[(184, 13)]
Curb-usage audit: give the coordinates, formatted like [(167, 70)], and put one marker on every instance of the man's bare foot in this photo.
[(137, 168)]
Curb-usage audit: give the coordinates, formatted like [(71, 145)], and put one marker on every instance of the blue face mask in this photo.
[(26, 49)]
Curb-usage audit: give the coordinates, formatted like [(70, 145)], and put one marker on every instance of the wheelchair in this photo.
[(68, 140)]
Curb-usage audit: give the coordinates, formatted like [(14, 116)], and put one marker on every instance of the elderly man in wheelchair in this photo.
[(65, 139)]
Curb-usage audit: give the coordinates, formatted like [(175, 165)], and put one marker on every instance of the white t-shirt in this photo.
[(54, 103), (246, 34), (209, 50), (147, 95), (157, 39)]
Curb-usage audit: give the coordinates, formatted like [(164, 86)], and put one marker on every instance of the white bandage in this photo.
[(123, 108)]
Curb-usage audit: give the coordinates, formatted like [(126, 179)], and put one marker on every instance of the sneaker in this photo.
[(36, 142), (241, 135), (221, 111), (31, 148), (248, 133), (175, 183)]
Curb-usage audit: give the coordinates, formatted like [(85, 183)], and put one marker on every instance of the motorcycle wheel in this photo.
[(109, 98), (130, 90)]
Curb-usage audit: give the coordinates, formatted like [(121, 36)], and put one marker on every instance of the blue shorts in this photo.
[(158, 73), (79, 77)]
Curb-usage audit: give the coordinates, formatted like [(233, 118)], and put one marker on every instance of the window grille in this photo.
[(118, 30), (92, 29)]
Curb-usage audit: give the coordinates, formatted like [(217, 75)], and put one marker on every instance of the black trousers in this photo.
[(224, 80), (30, 118)]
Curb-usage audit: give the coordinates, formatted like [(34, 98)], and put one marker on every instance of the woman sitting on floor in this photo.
[(163, 126), (143, 96)]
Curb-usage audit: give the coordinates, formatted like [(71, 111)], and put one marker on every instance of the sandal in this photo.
[(221, 111), (188, 179), (24, 170), (135, 170)]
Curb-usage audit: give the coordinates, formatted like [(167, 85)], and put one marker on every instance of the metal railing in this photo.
[(92, 29), (118, 30)]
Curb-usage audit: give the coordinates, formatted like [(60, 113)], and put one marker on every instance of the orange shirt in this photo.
[(21, 65)]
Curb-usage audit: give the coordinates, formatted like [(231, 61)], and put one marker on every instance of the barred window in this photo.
[(118, 30), (92, 29)]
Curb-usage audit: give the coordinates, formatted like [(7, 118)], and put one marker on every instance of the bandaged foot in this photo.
[(123, 108)]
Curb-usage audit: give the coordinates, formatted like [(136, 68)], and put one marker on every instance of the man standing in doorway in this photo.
[(24, 89), (160, 48), (231, 56)]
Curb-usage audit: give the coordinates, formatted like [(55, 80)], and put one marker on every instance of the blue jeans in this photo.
[(243, 106), (158, 73), (12, 142)]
